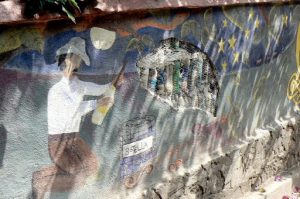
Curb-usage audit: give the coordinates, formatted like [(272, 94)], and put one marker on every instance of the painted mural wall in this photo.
[(116, 105)]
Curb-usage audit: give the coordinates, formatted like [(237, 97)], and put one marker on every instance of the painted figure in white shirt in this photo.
[(65, 99), (74, 161)]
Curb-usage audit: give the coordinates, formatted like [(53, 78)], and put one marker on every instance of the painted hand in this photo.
[(120, 81), (105, 101)]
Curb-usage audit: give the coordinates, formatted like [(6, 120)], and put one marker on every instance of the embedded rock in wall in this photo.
[(238, 171)]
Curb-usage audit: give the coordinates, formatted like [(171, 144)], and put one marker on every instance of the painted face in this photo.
[(73, 62)]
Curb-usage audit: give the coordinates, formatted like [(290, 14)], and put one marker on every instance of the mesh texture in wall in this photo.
[(180, 74)]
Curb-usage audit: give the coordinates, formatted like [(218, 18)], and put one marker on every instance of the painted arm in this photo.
[(94, 89), (87, 106)]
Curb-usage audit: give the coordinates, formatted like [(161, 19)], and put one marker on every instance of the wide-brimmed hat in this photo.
[(76, 45)]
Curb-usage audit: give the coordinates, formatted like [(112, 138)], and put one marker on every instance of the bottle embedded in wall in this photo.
[(200, 68), (184, 99), (144, 74), (201, 99), (185, 74), (152, 80), (169, 80), (176, 78), (160, 85), (192, 83), (176, 83)]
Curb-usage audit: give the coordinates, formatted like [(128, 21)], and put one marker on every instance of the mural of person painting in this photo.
[(73, 159)]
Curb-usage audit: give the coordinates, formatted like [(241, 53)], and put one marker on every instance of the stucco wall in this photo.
[(251, 49)]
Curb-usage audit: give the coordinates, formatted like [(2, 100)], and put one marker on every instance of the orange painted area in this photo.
[(122, 33), (177, 20)]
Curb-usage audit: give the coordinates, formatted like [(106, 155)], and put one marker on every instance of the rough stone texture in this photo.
[(239, 171)]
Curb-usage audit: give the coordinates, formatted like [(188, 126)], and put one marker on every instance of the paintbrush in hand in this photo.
[(101, 111)]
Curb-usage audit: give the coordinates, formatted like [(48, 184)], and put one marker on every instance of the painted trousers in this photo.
[(71, 154), (74, 162)]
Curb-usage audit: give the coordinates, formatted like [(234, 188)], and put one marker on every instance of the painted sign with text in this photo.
[(138, 149)]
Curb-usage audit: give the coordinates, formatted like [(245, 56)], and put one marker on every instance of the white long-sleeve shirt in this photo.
[(66, 105)]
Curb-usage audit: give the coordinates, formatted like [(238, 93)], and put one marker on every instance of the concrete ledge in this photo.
[(11, 11), (130, 5), (239, 171)]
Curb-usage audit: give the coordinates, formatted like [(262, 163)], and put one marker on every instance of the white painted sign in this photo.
[(137, 147)]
